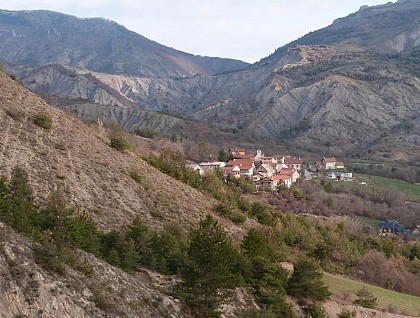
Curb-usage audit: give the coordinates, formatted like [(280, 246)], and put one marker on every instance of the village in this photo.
[(272, 172)]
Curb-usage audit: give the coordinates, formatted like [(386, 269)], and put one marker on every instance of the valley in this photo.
[(137, 180)]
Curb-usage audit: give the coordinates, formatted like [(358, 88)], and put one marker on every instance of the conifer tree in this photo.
[(208, 277), (22, 205), (265, 276), (306, 281), (139, 233), (5, 212)]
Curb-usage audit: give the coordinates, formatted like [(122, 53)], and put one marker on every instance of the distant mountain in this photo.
[(388, 29), (344, 89), (43, 37)]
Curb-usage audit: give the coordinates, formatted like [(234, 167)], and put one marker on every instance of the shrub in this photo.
[(15, 114), (118, 140), (298, 193), (316, 311), (43, 120), (49, 257), (256, 313), (328, 187), (135, 176), (366, 298), (329, 202), (238, 217), (147, 132)]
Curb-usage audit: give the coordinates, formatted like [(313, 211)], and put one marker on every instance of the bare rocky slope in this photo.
[(342, 89), (80, 161), (44, 37), (100, 290)]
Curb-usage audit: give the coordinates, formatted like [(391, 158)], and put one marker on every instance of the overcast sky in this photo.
[(248, 30)]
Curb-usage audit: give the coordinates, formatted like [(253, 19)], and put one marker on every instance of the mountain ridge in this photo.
[(98, 44), (339, 95)]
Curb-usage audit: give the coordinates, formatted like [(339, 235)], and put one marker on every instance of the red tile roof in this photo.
[(286, 171), (330, 160), (246, 156), (281, 177), (292, 161), (241, 162)]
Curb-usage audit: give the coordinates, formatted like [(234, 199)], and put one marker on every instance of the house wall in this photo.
[(329, 165)]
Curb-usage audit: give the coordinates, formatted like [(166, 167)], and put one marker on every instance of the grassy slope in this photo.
[(403, 303), (414, 189)]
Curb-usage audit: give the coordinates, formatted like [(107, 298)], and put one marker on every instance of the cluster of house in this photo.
[(333, 169), (267, 172)]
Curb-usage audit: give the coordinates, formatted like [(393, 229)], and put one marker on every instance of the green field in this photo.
[(401, 303), (413, 189), (367, 163), (367, 221)]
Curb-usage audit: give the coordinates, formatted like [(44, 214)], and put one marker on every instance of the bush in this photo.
[(366, 298), (118, 140), (43, 120), (238, 217), (256, 313), (49, 257), (15, 114), (147, 132), (135, 176), (316, 311)]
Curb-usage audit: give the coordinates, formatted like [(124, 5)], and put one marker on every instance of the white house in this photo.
[(282, 179), (329, 163), (232, 170), (196, 167), (266, 170), (210, 166), (293, 162)]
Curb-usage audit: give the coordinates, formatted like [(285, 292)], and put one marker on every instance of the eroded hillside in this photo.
[(80, 161), (98, 290)]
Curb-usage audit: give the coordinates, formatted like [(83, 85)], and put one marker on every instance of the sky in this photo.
[(247, 30)]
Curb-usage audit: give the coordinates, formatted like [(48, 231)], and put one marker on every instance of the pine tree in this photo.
[(265, 276), (139, 232), (365, 298), (306, 281), (84, 233), (5, 211), (208, 277), (169, 250), (22, 205)]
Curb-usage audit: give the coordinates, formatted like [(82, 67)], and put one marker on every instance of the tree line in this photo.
[(208, 262)]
